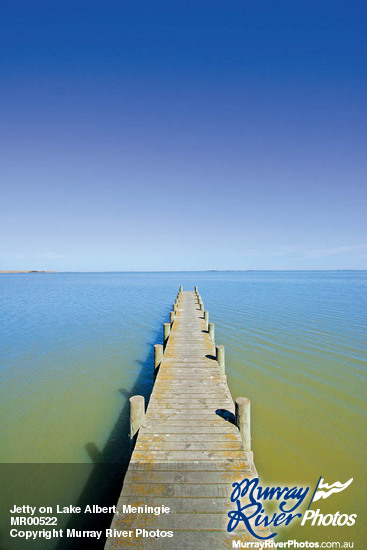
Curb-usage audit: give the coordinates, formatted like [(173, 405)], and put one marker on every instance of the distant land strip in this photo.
[(29, 271)]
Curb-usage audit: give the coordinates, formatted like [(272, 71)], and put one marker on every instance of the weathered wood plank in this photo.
[(187, 454), (203, 490), (208, 466), (197, 477), (184, 428), (221, 437), (148, 445), (210, 401)]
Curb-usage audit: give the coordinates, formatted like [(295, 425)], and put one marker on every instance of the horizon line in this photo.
[(42, 271)]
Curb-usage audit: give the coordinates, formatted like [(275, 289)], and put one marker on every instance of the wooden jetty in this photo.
[(191, 444)]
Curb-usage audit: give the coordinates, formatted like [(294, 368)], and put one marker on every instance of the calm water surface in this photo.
[(74, 347)]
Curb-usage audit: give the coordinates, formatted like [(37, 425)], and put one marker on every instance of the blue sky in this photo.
[(183, 135)]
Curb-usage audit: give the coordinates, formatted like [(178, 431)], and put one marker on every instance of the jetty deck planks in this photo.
[(188, 451)]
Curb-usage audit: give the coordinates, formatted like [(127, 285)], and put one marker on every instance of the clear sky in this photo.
[(168, 135)]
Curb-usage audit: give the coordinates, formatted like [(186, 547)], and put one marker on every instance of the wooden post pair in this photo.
[(243, 420)]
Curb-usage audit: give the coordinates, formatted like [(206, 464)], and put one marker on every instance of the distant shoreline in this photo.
[(29, 271), (195, 271)]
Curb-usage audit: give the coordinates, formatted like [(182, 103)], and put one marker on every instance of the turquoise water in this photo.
[(74, 347)]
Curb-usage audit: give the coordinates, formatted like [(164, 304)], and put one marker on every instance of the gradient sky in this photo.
[(150, 135)]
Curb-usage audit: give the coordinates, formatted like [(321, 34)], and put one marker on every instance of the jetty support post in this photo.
[(166, 333), (221, 359), (243, 421), (172, 317), (158, 356), (196, 289), (211, 330), (137, 414), (206, 319), (202, 307)]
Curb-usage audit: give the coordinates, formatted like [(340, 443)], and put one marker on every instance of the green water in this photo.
[(74, 347)]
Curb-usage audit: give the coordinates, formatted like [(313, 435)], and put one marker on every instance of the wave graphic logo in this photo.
[(323, 490)]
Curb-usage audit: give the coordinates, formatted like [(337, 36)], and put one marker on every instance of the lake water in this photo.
[(75, 346)]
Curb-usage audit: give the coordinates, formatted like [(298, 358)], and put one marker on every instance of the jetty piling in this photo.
[(137, 414), (166, 333), (220, 358), (206, 319), (243, 421), (158, 356)]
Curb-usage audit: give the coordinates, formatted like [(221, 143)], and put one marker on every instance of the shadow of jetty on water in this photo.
[(109, 467)]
